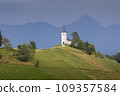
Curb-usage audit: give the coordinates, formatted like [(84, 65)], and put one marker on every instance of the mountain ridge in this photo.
[(106, 39)]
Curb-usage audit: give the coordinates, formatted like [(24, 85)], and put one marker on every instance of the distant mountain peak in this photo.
[(86, 17), (86, 21)]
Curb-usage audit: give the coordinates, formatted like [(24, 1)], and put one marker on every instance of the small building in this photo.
[(64, 39)]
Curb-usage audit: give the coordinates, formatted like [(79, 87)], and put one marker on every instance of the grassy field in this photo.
[(59, 63)]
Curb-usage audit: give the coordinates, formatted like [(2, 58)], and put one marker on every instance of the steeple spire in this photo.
[(64, 30)]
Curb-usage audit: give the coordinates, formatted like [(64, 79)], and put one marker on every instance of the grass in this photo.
[(59, 63)]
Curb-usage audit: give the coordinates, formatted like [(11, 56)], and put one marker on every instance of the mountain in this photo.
[(42, 33), (105, 39)]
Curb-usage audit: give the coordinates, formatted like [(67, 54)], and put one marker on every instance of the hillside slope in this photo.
[(62, 64)]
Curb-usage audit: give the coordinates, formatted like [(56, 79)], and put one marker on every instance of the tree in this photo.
[(98, 53), (86, 44), (0, 38), (91, 49), (80, 44), (6, 43), (75, 36), (117, 57), (25, 53), (108, 56), (73, 43), (32, 43), (19, 46)]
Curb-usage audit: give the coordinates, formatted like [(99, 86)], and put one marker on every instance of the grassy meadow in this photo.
[(58, 63)]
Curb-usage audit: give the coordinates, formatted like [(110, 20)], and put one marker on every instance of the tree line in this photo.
[(90, 48), (80, 44)]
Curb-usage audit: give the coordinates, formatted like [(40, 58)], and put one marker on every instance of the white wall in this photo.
[(63, 38), (68, 42)]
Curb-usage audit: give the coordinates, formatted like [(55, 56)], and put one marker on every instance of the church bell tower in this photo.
[(64, 36)]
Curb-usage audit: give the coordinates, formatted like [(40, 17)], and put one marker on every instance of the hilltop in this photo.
[(59, 63)]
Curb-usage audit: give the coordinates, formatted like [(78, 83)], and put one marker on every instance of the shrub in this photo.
[(90, 49), (98, 54), (101, 56), (25, 53), (117, 57), (19, 46)]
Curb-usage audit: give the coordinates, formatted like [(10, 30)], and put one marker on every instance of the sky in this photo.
[(59, 12)]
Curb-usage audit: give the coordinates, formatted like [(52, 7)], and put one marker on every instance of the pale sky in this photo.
[(59, 12)]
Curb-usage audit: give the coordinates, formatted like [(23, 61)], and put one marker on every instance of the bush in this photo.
[(118, 60), (109, 57), (25, 53), (19, 46), (117, 57), (98, 54), (101, 56), (90, 49)]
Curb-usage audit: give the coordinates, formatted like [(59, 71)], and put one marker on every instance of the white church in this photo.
[(64, 39)]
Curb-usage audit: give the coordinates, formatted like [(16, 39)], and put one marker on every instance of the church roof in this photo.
[(64, 30), (69, 39)]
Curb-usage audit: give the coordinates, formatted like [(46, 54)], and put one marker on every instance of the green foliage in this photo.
[(75, 36), (85, 45), (101, 56), (6, 43), (25, 53), (73, 43), (90, 49), (0, 38), (108, 56), (32, 43), (117, 57), (37, 63), (79, 44), (98, 54), (75, 39), (19, 46)]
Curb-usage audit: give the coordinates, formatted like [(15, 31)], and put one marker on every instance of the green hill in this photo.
[(58, 63)]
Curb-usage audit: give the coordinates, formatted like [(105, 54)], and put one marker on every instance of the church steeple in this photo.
[(64, 30), (64, 39)]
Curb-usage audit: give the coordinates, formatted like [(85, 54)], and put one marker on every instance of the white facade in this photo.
[(64, 39)]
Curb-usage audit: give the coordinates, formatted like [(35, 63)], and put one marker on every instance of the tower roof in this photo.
[(64, 30)]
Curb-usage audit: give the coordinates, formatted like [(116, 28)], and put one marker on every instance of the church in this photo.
[(64, 39)]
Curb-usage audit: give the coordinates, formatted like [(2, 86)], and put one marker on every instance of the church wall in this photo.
[(63, 38), (68, 42)]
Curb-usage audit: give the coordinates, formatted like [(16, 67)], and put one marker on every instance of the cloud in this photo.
[(22, 11)]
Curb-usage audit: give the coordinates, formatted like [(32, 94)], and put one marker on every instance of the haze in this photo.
[(59, 12)]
